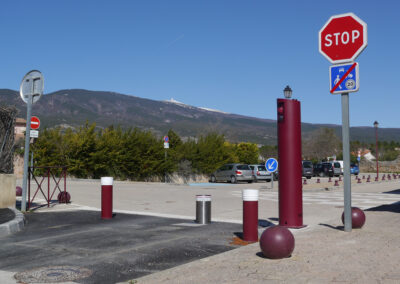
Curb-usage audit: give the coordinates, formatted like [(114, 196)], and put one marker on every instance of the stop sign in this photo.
[(343, 38), (35, 122)]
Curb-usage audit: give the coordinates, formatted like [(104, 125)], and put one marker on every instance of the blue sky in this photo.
[(235, 56)]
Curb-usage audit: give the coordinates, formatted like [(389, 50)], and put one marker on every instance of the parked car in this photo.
[(354, 169), (341, 166), (327, 169), (260, 173), (233, 173), (307, 169)]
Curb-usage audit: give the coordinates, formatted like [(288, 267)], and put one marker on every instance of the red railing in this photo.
[(55, 173)]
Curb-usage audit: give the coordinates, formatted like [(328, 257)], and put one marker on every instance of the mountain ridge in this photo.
[(73, 107)]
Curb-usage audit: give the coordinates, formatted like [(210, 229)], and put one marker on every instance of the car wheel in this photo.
[(213, 179), (233, 179)]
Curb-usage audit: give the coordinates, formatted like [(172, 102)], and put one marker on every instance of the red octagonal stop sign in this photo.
[(343, 38)]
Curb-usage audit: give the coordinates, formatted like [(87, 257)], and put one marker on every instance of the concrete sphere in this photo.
[(357, 217), (277, 242), (18, 191), (62, 197)]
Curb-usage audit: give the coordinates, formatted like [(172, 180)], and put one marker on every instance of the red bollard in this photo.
[(389, 177), (363, 177), (305, 181), (368, 179), (340, 178), (250, 215), (330, 179), (290, 171), (383, 177), (318, 181), (336, 182), (376, 179), (106, 197), (359, 181)]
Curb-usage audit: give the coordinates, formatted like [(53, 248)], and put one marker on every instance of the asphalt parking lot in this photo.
[(79, 246)]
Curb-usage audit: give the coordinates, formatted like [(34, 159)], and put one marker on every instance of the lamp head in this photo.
[(287, 92)]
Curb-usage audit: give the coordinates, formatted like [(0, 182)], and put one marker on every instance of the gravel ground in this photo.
[(325, 254)]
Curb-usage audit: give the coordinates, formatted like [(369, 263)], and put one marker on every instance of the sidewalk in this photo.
[(325, 254)]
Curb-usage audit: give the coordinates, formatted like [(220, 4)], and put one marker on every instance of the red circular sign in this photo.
[(35, 122), (343, 38)]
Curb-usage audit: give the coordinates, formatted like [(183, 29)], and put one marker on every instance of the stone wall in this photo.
[(384, 166), (7, 190)]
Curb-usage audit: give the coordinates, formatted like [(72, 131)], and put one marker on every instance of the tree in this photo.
[(322, 143)]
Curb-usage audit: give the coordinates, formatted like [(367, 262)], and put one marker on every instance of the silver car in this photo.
[(233, 173), (260, 173)]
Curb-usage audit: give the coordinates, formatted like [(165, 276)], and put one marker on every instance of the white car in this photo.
[(260, 173)]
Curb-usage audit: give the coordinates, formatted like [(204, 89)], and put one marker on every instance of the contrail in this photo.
[(175, 40)]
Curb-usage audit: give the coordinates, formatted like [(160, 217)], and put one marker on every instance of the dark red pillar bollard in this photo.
[(305, 181), (336, 182), (330, 179), (106, 197), (250, 215), (359, 181), (318, 181), (290, 169)]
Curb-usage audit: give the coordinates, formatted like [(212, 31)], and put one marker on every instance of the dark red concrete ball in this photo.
[(64, 197), (18, 191), (357, 218), (277, 242)]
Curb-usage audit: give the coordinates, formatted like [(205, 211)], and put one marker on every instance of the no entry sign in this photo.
[(35, 122), (343, 38)]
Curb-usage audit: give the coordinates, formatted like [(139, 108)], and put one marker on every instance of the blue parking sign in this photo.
[(344, 78)]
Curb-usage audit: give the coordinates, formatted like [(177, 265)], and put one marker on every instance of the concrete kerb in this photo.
[(13, 226)]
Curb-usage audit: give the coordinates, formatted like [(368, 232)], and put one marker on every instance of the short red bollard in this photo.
[(340, 178), (383, 177), (336, 182), (318, 181), (376, 179), (363, 177), (106, 197), (389, 177), (368, 179), (250, 215), (305, 181), (330, 179), (359, 181)]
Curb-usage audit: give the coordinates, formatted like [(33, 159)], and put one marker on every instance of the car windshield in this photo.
[(243, 167), (337, 165), (262, 168), (307, 164)]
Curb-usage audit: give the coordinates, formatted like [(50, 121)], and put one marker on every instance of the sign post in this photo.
[(341, 40), (166, 146), (31, 90), (271, 165)]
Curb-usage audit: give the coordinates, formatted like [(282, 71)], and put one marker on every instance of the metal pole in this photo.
[(165, 173), (26, 150), (346, 162), (376, 150)]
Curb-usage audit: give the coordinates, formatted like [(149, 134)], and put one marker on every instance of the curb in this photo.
[(13, 226)]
